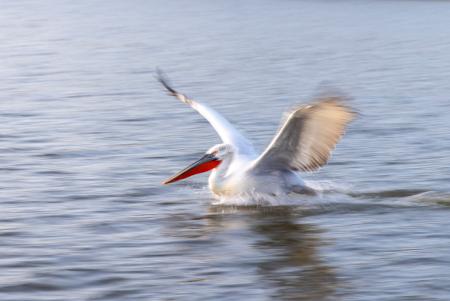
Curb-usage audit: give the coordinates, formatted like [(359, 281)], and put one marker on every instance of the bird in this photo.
[(304, 142)]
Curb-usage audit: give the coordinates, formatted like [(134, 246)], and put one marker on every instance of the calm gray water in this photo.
[(87, 136)]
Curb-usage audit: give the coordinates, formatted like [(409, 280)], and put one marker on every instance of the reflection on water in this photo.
[(284, 250), (293, 265)]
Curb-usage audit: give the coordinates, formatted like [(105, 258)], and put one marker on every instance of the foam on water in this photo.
[(333, 193)]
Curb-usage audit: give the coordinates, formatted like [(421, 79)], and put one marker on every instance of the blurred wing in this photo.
[(226, 131), (307, 137)]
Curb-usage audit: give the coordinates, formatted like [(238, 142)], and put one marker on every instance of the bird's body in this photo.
[(303, 143), (245, 182), (246, 185)]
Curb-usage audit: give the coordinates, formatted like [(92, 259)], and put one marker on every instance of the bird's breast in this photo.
[(247, 184)]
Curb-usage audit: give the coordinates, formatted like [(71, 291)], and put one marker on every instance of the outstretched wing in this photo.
[(226, 131), (307, 137)]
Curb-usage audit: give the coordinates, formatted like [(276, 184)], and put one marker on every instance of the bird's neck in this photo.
[(218, 175)]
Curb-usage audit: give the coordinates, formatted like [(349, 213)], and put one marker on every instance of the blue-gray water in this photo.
[(87, 135)]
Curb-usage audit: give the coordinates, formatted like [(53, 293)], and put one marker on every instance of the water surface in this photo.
[(88, 135)]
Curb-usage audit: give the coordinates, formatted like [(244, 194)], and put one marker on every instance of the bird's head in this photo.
[(210, 160), (220, 151)]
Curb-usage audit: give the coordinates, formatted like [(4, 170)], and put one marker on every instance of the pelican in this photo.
[(304, 142)]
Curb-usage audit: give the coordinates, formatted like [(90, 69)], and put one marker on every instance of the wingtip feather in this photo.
[(162, 78)]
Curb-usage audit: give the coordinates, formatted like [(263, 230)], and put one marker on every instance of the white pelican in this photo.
[(303, 143)]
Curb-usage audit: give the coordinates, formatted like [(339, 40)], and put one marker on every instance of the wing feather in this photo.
[(307, 137), (223, 127)]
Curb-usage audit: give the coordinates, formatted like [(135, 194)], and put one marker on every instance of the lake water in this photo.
[(88, 135)]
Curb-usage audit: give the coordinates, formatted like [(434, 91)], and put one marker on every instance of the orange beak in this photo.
[(207, 162)]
